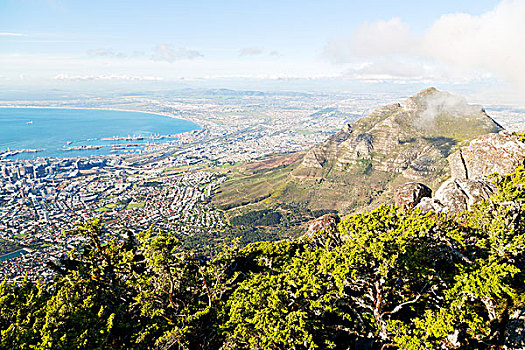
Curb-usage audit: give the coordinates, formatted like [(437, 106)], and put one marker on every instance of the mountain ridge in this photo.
[(392, 136), (358, 167)]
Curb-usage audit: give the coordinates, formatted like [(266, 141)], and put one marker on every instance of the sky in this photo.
[(53, 42)]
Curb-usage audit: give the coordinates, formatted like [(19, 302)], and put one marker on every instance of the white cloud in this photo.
[(67, 77), (457, 46), (107, 53), (384, 37), (11, 34), (50, 69), (372, 39), (165, 52), (111, 53), (255, 51), (339, 51), (250, 51), (390, 69), (493, 42), (406, 68)]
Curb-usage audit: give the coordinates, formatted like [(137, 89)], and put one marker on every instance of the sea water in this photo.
[(54, 129)]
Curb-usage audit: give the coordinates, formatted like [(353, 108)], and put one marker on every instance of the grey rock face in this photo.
[(430, 204), (458, 195), (411, 193), (312, 159), (500, 152)]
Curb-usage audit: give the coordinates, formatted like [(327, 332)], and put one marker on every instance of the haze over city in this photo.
[(274, 45)]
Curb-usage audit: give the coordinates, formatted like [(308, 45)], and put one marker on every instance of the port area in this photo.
[(10, 153), (117, 146)]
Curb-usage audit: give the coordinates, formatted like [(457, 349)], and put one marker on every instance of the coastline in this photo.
[(105, 109), (195, 126)]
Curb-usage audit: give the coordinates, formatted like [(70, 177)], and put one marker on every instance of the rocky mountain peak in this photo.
[(419, 100), (413, 139), (433, 100)]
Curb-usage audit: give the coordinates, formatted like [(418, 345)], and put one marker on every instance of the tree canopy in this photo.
[(391, 277)]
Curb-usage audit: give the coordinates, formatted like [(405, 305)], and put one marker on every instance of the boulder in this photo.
[(430, 204), (328, 221), (411, 193), (458, 195), (498, 152)]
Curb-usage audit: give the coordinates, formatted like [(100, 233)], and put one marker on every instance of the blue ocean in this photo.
[(53, 130)]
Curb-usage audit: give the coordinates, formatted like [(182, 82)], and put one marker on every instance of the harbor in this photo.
[(10, 153)]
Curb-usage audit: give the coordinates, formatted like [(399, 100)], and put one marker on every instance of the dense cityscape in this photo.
[(42, 198)]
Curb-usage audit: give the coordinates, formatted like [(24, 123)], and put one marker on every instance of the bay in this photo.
[(54, 129)]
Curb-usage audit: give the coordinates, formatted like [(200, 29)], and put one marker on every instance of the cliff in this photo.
[(470, 167)]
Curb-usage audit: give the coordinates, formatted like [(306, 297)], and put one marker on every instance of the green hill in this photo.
[(357, 167)]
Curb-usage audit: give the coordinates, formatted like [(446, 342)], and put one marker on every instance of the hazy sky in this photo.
[(43, 41)]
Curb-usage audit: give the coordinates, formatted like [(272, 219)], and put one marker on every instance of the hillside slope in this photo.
[(358, 166)]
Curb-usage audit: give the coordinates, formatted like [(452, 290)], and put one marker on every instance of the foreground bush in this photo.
[(387, 278)]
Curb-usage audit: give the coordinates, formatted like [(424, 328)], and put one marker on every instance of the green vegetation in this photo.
[(250, 188), (390, 278), (276, 223), (177, 169), (364, 165), (257, 218), (102, 210), (260, 189), (118, 206), (521, 136), (135, 205), (460, 128)]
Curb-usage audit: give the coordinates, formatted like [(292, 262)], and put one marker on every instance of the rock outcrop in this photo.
[(457, 195), (411, 194), (313, 160), (469, 166), (431, 204), (501, 153), (325, 222)]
